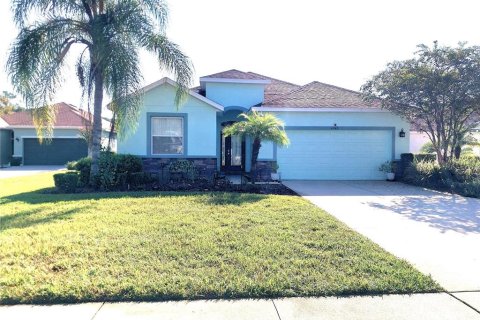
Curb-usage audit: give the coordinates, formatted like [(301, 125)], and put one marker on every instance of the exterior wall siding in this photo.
[(235, 94), (346, 119), (201, 131)]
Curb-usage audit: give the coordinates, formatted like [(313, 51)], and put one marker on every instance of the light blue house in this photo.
[(334, 134)]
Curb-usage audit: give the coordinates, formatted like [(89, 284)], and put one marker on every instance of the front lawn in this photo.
[(156, 246)]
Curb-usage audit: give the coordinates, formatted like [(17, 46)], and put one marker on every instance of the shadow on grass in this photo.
[(43, 196), (33, 217)]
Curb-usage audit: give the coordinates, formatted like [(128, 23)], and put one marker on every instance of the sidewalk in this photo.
[(437, 306)]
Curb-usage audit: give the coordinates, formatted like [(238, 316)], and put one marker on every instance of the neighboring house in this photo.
[(418, 139), (67, 141), (334, 134)]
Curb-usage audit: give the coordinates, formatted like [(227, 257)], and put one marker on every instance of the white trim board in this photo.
[(226, 80), (3, 123), (282, 109), (54, 137)]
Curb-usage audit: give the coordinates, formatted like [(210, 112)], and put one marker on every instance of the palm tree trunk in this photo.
[(97, 124), (112, 131), (255, 150)]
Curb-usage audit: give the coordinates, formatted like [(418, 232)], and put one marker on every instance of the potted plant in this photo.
[(275, 175), (388, 168)]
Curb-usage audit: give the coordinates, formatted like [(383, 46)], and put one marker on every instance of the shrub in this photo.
[(471, 189), (459, 176), (115, 170), (387, 167), (183, 167), (66, 182), (407, 157), (140, 179), (83, 167), (427, 157), (71, 165), (16, 161), (129, 164)]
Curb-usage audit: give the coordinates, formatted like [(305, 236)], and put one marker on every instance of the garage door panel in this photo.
[(335, 154), (57, 152)]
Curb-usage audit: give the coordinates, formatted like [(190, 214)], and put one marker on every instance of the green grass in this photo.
[(154, 246)]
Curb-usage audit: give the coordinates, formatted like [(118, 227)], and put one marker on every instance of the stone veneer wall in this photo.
[(206, 167), (264, 170)]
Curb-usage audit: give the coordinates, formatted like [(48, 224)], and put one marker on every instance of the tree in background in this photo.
[(7, 106), (465, 142), (259, 127), (438, 90), (109, 34)]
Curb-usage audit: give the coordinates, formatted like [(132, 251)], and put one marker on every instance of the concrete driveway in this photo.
[(439, 233), (12, 172)]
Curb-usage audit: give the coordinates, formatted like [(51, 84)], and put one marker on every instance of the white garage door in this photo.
[(335, 154)]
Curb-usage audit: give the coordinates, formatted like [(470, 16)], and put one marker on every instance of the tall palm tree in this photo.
[(109, 34), (259, 127)]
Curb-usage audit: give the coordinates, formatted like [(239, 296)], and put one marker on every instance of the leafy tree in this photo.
[(438, 90), (7, 106), (109, 34), (259, 127)]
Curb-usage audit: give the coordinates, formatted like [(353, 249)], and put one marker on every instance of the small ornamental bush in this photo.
[(460, 176), (66, 182), (128, 163), (183, 168), (16, 161), (114, 170), (71, 165), (427, 157), (83, 167)]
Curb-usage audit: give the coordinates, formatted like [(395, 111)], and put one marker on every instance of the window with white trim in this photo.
[(167, 135)]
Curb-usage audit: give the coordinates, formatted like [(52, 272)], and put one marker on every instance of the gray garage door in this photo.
[(57, 152)]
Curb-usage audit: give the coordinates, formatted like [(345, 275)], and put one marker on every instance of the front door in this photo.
[(233, 150)]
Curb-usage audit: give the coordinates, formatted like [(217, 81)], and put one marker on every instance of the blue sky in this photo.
[(338, 42)]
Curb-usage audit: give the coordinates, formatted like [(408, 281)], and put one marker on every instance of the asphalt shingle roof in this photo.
[(67, 116), (283, 94), (320, 95), (235, 74), (276, 87)]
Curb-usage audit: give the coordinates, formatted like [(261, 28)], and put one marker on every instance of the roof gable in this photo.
[(191, 92)]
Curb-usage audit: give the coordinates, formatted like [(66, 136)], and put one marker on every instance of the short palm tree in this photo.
[(465, 140), (107, 35), (259, 127)]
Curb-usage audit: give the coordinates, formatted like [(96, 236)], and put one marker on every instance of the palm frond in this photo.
[(37, 56), (21, 8), (112, 31), (173, 59), (43, 120), (262, 126)]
